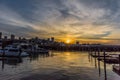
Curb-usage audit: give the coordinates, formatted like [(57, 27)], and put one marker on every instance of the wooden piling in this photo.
[(99, 63), (3, 64), (95, 60), (105, 66)]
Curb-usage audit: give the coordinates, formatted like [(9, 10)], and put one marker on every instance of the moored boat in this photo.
[(12, 51)]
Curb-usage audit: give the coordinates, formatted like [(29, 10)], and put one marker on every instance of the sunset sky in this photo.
[(82, 20)]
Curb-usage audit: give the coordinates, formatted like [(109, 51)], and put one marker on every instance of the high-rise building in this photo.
[(77, 42), (12, 37), (5, 37), (52, 39), (19, 38)]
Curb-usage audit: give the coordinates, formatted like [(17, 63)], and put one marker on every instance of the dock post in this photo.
[(3, 52), (99, 62), (3, 64), (89, 54), (20, 51), (95, 60), (105, 66)]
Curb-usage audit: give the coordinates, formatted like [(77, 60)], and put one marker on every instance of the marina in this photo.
[(59, 40), (108, 58), (39, 59), (56, 65)]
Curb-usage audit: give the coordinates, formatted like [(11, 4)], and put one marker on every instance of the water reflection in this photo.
[(40, 55), (98, 64), (10, 61), (57, 66), (14, 61)]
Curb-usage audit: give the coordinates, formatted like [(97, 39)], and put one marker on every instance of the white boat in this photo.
[(32, 48), (13, 51)]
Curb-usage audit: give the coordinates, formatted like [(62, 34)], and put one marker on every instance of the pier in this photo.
[(106, 57)]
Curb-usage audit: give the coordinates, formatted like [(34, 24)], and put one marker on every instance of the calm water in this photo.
[(55, 66)]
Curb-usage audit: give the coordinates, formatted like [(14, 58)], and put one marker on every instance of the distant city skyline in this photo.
[(87, 21)]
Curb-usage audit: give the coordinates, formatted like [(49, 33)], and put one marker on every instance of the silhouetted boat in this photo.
[(12, 51), (33, 48)]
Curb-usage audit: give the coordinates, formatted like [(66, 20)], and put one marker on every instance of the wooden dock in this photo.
[(110, 60), (101, 55), (116, 69), (106, 58)]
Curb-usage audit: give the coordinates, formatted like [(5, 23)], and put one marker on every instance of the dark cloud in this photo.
[(17, 30), (45, 18), (108, 4)]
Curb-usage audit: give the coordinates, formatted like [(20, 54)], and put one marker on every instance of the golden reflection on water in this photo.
[(72, 64), (63, 60)]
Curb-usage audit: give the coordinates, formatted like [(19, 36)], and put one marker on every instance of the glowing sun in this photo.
[(68, 41)]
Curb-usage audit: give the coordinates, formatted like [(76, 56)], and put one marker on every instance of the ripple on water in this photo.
[(55, 66)]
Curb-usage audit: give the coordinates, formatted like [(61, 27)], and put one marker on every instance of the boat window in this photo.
[(13, 50)]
